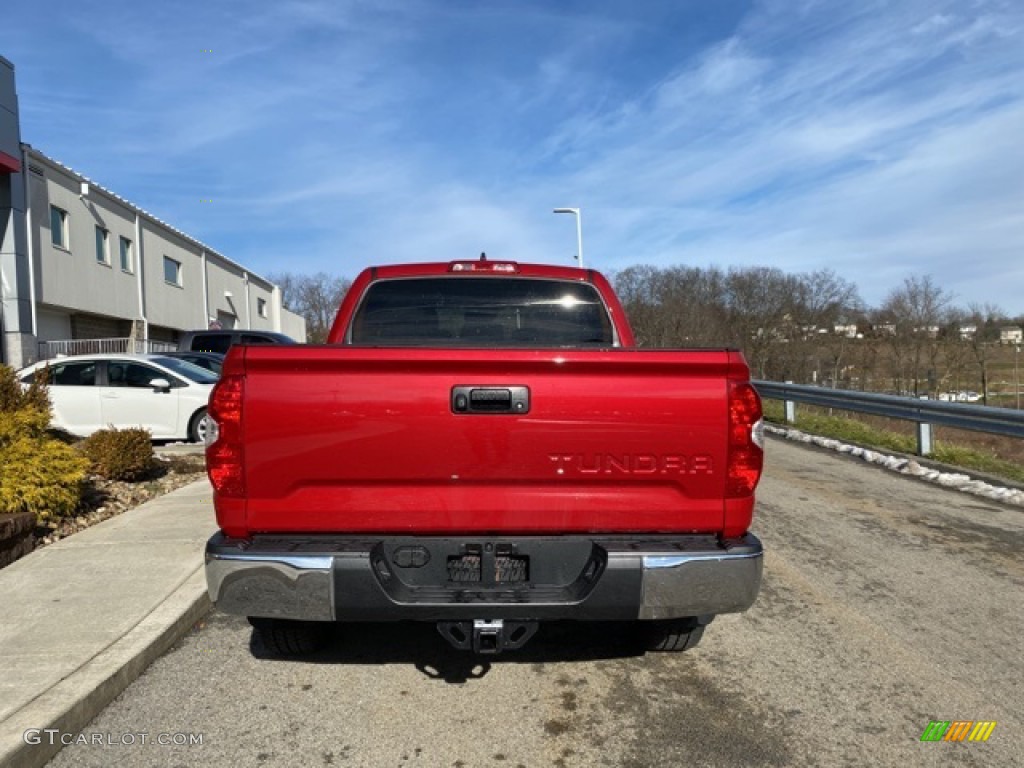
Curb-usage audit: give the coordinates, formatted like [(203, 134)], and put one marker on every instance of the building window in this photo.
[(127, 262), (102, 246), (172, 271), (59, 226), (261, 307)]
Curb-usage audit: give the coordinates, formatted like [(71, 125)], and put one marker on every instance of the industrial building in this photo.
[(85, 270)]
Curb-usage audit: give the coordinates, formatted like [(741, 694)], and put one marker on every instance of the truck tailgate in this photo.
[(359, 439)]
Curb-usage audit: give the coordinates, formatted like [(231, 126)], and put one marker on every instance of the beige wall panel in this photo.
[(72, 277), (222, 278), (293, 325), (167, 304)]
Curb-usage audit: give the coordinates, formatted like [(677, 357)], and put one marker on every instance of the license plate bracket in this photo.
[(488, 564)]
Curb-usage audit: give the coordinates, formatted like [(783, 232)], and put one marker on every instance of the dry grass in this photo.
[(991, 454)]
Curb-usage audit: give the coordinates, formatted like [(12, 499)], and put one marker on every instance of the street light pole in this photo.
[(579, 231)]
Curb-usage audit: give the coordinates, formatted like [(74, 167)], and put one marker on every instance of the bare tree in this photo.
[(823, 298), (674, 307), (957, 339), (809, 327), (759, 311), (773, 317), (986, 320), (823, 301), (315, 297), (919, 309), (637, 289)]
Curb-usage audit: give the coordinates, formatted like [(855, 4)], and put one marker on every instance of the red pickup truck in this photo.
[(480, 445)]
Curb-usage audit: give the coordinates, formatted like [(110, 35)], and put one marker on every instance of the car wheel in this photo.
[(198, 426), (286, 637), (673, 635)]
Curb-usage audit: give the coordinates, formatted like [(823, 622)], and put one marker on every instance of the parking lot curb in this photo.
[(71, 704)]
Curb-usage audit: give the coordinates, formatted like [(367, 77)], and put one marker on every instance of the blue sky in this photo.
[(879, 139)]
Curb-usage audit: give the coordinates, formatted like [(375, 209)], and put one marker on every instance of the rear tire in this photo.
[(673, 635), (285, 637), (198, 426)]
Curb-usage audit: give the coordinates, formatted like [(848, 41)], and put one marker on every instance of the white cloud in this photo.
[(878, 138)]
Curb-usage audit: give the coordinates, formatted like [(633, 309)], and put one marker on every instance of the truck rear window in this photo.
[(482, 311)]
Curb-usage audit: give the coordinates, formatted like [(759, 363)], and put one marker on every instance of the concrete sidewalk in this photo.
[(82, 618)]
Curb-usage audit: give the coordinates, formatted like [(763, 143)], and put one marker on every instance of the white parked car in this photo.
[(165, 395)]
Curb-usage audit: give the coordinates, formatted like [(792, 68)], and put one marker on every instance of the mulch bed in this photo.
[(103, 499)]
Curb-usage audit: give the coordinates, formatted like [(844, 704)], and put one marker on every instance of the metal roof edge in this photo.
[(37, 154)]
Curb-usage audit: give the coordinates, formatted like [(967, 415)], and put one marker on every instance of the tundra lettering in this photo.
[(636, 464)]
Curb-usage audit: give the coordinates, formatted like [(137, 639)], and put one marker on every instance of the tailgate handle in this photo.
[(473, 399)]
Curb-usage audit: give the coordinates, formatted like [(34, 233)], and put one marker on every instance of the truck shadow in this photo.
[(420, 644)]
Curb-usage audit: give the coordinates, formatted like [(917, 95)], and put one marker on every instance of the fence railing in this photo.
[(924, 413), (51, 349)]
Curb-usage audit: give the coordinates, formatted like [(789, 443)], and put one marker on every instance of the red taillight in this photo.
[(224, 453), (746, 441)]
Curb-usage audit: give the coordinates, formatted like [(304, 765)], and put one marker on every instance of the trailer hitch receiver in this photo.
[(487, 636)]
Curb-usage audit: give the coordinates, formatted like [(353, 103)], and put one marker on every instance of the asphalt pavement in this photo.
[(82, 618), (887, 604)]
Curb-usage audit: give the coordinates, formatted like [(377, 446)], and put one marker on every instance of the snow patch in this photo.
[(905, 466)]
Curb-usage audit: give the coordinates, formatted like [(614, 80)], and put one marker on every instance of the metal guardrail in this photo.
[(925, 413), (51, 349)]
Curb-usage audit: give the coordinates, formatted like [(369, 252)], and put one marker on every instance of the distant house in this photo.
[(968, 331), (847, 330), (1011, 334)]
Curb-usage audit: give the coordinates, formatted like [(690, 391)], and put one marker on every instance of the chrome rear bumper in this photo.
[(330, 578)]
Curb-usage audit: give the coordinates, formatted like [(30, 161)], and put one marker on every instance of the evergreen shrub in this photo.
[(119, 454), (38, 474)]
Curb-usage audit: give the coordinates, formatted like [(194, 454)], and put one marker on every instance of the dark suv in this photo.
[(220, 341)]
